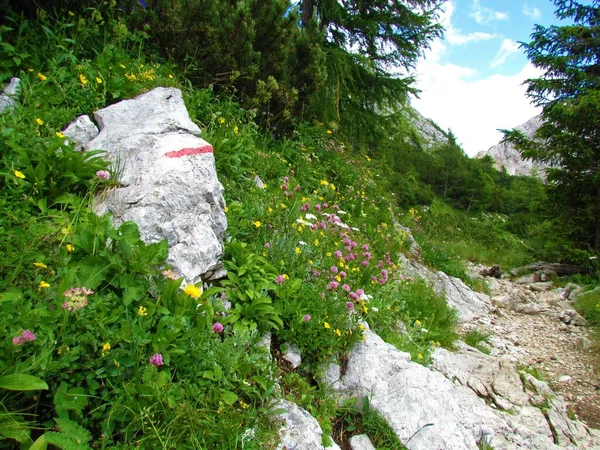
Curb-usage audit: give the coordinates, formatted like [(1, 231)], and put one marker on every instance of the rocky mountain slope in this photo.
[(429, 133), (505, 155)]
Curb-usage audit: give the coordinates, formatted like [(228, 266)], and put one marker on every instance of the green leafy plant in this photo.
[(249, 286)]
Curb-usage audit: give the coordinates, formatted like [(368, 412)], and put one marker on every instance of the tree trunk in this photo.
[(308, 7)]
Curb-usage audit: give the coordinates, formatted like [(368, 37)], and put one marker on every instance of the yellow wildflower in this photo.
[(338, 332), (236, 130), (142, 311), (170, 76), (226, 210), (244, 405), (106, 347), (286, 276), (257, 224), (325, 182), (122, 66), (316, 242), (70, 248), (59, 135), (18, 174), (282, 206), (98, 80), (39, 121), (221, 120), (82, 79), (41, 76), (332, 186), (44, 285), (420, 356), (131, 76), (193, 291), (418, 323), (329, 132), (270, 210), (298, 250), (326, 325), (40, 265)]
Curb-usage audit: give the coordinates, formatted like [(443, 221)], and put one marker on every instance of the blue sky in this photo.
[(471, 80)]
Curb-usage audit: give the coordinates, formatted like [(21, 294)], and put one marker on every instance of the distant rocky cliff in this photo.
[(505, 155), (429, 133)]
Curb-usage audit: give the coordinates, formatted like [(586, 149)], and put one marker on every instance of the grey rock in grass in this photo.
[(292, 354), (361, 442), (81, 131), (458, 403), (10, 95), (299, 429), (167, 176), (468, 303)]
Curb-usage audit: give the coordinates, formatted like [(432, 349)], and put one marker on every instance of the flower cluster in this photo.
[(26, 336), (76, 298)]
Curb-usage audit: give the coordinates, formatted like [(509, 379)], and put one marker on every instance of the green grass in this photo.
[(588, 305), (354, 419), (449, 238), (476, 338)]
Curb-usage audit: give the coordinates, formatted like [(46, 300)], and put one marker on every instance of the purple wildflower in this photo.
[(156, 360), (18, 340), (333, 285), (350, 306), (306, 318), (280, 279), (103, 174), (217, 327), (28, 335)]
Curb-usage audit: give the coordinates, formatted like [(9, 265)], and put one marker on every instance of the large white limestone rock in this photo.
[(299, 429), (468, 303), (457, 406), (168, 181)]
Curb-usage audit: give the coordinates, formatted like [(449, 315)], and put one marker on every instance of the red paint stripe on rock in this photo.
[(189, 151)]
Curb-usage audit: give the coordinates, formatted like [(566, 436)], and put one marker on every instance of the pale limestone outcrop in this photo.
[(167, 179)]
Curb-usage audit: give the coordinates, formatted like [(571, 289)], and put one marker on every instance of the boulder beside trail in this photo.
[(167, 179)]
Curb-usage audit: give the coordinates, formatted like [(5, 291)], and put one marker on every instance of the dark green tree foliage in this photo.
[(569, 139), (253, 48), (371, 46)]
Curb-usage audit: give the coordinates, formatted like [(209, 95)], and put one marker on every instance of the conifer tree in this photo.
[(569, 92), (371, 46)]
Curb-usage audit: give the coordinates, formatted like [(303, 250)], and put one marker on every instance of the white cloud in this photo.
[(454, 98), (531, 12), (507, 49), (455, 36), (484, 15)]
